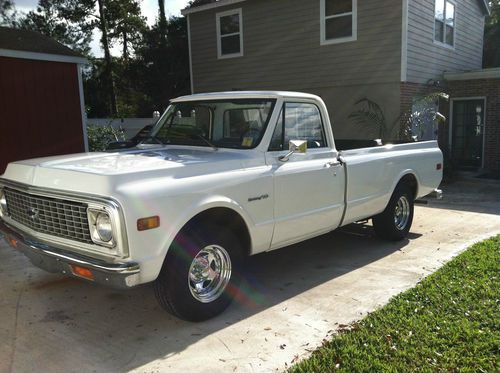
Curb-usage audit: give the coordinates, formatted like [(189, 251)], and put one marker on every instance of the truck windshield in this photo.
[(237, 124)]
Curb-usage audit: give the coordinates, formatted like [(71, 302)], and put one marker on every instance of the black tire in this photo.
[(174, 287), (395, 221)]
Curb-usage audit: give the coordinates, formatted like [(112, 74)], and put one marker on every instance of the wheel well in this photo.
[(227, 218), (411, 181)]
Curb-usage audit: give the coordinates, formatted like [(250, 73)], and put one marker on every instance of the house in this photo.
[(41, 106), (388, 51)]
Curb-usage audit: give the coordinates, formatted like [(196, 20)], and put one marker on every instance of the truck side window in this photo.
[(277, 140), (299, 121)]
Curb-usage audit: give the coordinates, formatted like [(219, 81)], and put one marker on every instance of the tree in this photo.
[(46, 20), (162, 22), (164, 66), (117, 20), (7, 13), (125, 24), (195, 3), (491, 57)]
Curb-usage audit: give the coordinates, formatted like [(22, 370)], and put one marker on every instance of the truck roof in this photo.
[(244, 94)]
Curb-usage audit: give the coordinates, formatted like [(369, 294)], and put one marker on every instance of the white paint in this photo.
[(443, 43), (217, 4), (218, 16), (82, 108), (191, 76), (404, 42), (178, 182), (323, 18), (42, 56), (492, 73)]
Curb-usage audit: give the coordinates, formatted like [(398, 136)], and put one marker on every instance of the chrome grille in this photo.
[(56, 217)]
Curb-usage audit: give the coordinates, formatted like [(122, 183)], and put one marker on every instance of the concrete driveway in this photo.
[(292, 299)]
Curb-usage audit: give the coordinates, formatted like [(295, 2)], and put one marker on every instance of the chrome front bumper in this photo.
[(118, 275)]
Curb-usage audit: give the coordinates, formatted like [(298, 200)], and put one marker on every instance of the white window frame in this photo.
[(443, 43), (218, 16), (323, 18)]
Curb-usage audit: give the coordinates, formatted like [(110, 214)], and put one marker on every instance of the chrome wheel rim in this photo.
[(209, 273), (402, 213)]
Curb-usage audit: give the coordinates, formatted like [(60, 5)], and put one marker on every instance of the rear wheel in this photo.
[(395, 221), (200, 274)]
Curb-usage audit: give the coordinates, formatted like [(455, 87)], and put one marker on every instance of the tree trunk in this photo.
[(125, 46), (108, 71), (163, 21)]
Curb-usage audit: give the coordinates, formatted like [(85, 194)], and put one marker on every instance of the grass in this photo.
[(449, 322)]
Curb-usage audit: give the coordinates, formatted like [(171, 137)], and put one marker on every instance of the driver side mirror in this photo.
[(294, 146)]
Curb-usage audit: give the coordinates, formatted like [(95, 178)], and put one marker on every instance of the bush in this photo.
[(101, 136)]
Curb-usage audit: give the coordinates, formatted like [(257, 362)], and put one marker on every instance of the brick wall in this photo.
[(489, 88)]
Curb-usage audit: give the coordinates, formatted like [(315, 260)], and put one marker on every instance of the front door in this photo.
[(308, 188), (468, 133)]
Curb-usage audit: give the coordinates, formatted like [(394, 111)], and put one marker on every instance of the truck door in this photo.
[(308, 188)]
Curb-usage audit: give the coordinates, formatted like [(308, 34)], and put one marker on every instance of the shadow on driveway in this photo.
[(118, 330)]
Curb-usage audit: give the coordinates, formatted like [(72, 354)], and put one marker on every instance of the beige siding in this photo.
[(282, 48), (341, 103), (427, 59)]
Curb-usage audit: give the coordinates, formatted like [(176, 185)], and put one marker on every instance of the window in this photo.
[(298, 121), (248, 122), (444, 22), (235, 123), (229, 34), (338, 21)]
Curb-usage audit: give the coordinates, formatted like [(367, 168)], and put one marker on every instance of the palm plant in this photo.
[(412, 123)]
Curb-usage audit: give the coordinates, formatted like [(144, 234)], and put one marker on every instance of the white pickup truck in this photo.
[(222, 176)]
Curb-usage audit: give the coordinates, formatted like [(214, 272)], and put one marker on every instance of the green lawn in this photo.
[(449, 322)]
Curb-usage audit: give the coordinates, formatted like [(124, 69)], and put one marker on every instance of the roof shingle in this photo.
[(32, 41)]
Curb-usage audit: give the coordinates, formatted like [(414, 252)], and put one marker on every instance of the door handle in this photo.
[(333, 164)]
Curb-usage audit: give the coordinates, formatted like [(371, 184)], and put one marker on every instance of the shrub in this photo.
[(101, 136)]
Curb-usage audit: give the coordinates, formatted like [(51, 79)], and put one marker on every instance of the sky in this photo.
[(149, 10)]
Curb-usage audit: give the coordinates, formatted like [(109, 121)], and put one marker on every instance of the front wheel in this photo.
[(395, 221), (200, 273)]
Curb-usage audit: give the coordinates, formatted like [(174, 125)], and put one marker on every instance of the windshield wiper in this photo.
[(150, 137), (208, 142)]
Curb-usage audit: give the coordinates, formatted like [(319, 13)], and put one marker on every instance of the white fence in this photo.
[(129, 125)]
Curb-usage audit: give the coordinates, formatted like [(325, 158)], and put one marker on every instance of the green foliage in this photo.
[(371, 116), (447, 323), (491, 57), (427, 111), (7, 12), (48, 19), (195, 3), (100, 137), (125, 24)]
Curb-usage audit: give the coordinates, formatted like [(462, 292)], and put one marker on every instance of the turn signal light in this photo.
[(148, 223), (82, 272), (13, 242)]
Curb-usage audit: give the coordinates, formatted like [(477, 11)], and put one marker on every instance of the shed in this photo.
[(41, 97)]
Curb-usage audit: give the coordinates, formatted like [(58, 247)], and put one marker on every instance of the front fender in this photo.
[(151, 266)]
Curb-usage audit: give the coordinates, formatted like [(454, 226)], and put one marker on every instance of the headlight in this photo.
[(3, 203), (101, 227), (104, 227)]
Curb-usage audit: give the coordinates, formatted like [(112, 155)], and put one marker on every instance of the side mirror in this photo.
[(294, 146)]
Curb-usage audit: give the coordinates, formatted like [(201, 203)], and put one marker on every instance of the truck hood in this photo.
[(97, 172)]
